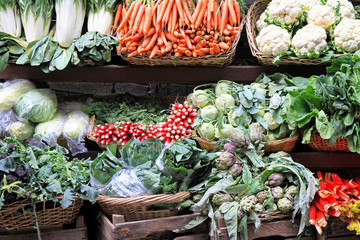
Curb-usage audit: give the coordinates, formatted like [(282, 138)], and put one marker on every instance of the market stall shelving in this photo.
[(164, 75)]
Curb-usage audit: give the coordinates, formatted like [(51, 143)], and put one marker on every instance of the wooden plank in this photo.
[(107, 228), (77, 233), (141, 229), (345, 238), (145, 75), (302, 238), (199, 236)]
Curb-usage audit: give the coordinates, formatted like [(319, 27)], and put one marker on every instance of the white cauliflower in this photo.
[(322, 16), (309, 41), (273, 40), (260, 23), (308, 4), (347, 35), (346, 8), (284, 12)]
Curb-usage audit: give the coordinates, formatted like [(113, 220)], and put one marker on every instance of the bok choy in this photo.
[(101, 15), (9, 18), (70, 15), (36, 18)]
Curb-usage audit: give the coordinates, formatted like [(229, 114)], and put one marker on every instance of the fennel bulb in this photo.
[(70, 15), (101, 15), (36, 18), (10, 21)]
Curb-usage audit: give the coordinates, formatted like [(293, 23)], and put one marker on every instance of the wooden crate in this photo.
[(52, 233), (118, 229), (336, 230), (283, 229)]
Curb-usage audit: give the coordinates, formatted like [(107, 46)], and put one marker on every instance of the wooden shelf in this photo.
[(163, 75)]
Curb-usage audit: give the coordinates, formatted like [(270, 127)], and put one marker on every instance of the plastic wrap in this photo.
[(76, 127), (38, 105), (47, 133), (125, 183), (12, 90), (7, 118)]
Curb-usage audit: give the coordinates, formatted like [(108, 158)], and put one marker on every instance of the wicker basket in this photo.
[(135, 208), (205, 144), (286, 144), (320, 144), (255, 10), (19, 214), (219, 60)]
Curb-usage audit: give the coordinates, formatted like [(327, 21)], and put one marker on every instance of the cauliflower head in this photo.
[(308, 4), (346, 8), (260, 23), (347, 35), (284, 12), (273, 40), (309, 41), (322, 16)]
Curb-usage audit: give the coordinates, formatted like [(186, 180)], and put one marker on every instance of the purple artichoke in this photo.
[(277, 192), (259, 208), (219, 198), (261, 196), (225, 160), (256, 133), (285, 205), (239, 138), (229, 147), (235, 169), (275, 179)]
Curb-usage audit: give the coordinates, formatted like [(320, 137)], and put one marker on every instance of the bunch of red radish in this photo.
[(179, 124)]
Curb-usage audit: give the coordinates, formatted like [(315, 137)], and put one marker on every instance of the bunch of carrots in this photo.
[(177, 27)]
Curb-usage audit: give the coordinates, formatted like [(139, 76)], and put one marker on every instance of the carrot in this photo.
[(217, 15), (224, 16), (162, 35), (237, 12), (151, 42), (201, 15), (216, 48), (132, 54), (212, 51), (200, 53), (223, 45), (187, 41), (226, 32), (204, 50), (208, 22), (146, 41), (138, 18), (207, 37), (153, 52), (170, 23), (141, 26), (159, 41), (167, 12), (232, 13), (175, 16), (188, 53), (151, 31), (156, 6), (171, 37), (168, 47), (127, 16), (160, 16), (197, 39), (197, 10), (187, 11), (147, 21), (163, 49), (181, 49), (117, 17), (134, 13), (181, 12)]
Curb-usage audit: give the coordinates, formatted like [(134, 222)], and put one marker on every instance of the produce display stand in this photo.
[(57, 232), (336, 230)]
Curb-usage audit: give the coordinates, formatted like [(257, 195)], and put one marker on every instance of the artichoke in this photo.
[(291, 190), (219, 198), (259, 208), (277, 192), (261, 196), (239, 138), (247, 203), (285, 205), (240, 213), (235, 169), (229, 147), (275, 179), (197, 197), (226, 160), (256, 133)]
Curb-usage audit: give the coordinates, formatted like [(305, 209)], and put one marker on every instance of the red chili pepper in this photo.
[(312, 220)]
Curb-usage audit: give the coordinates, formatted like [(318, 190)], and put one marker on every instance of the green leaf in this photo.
[(90, 193), (63, 59), (323, 125), (246, 174), (193, 223), (68, 199), (54, 187), (7, 165), (4, 58)]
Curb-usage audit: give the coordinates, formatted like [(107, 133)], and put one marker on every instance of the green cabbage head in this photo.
[(21, 130), (11, 91), (38, 105), (76, 125)]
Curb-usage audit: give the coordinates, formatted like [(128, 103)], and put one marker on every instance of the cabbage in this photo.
[(209, 112), (38, 105), (224, 101), (259, 88), (11, 92), (76, 125), (6, 119), (222, 87), (52, 127), (261, 111), (271, 122), (224, 131), (233, 114), (207, 131), (21, 130)]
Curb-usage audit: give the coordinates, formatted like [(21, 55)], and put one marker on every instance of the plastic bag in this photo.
[(21, 130), (7, 118), (125, 183), (12, 90), (76, 127), (47, 133)]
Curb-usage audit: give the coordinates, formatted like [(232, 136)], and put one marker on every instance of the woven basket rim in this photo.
[(284, 140), (220, 59), (252, 16), (320, 144)]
